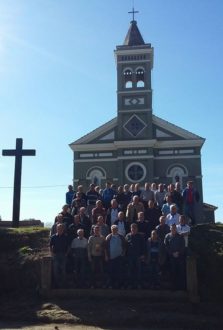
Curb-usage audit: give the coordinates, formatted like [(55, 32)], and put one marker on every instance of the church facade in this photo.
[(137, 146)]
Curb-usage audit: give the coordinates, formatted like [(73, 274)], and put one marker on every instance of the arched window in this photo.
[(177, 172), (128, 78), (140, 78), (95, 175)]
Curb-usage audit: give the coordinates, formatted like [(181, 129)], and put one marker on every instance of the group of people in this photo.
[(123, 238)]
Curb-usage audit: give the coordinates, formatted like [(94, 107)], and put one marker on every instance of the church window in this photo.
[(140, 79), (135, 172), (177, 172), (95, 175), (128, 78)]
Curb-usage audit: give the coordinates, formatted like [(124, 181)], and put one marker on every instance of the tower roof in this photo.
[(133, 37)]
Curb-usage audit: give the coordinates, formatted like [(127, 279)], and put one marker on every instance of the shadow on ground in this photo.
[(110, 313)]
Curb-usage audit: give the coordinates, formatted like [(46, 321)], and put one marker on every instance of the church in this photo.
[(137, 146)]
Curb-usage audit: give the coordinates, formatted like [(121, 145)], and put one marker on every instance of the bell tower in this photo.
[(134, 61)]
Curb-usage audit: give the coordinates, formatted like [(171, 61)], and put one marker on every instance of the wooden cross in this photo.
[(18, 152), (133, 12)]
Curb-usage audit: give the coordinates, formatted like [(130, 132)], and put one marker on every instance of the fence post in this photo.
[(192, 284), (46, 274)]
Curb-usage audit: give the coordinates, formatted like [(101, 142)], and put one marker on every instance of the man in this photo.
[(173, 217), (115, 251), (191, 198), (107, 195), (91, 196), (166, 206), (128, 196), (67, 217), (77, 203), (79, 252), (112, 213), (59, 251), (123, 226), (133, 209), (73, 228), (152, 215), (183, 229), (85, 221), (175, 246), (147, 194), (121, 199), (104, 228), (98, 210), (176, 196), (160, 196), (96, 255), (135, 255), (143, 226), (162, 230), (69, 195)]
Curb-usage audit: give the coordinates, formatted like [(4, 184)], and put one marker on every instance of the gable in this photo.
[(163, 131)]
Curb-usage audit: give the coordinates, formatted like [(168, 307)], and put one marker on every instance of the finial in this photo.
[(133, 12)]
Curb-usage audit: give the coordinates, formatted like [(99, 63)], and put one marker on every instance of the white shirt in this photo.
[(121, 228), (172, 219), (114, 216), (184, 229)]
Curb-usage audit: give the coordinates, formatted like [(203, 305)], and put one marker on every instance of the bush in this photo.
[(206, 241)]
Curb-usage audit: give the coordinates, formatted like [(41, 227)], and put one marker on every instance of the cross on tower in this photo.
[(18, 152), (133, 12)]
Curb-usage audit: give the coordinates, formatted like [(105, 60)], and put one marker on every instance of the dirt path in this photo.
[(16, 326)]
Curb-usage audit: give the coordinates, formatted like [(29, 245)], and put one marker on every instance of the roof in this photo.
[(160, 123), (210, 207), (133, 37)]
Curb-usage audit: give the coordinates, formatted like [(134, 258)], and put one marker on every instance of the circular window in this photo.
[(135, 172)]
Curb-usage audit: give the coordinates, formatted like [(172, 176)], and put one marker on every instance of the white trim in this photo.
[(94, 147), (165, 152), (128, 131), (135, 110), (138, 51), (178, 143), (94, 168), (177, 157), (174, 166), (105, 154), (109, 136), (176, 129), (135, 91), (95, 160), (186, 151), (103, 129), (135, 157), (86, 155), (136, 143)]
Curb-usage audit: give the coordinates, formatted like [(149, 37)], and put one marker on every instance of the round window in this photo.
[(135, 172)]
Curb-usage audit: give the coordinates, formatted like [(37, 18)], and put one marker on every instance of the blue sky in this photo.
[(58, 82)]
